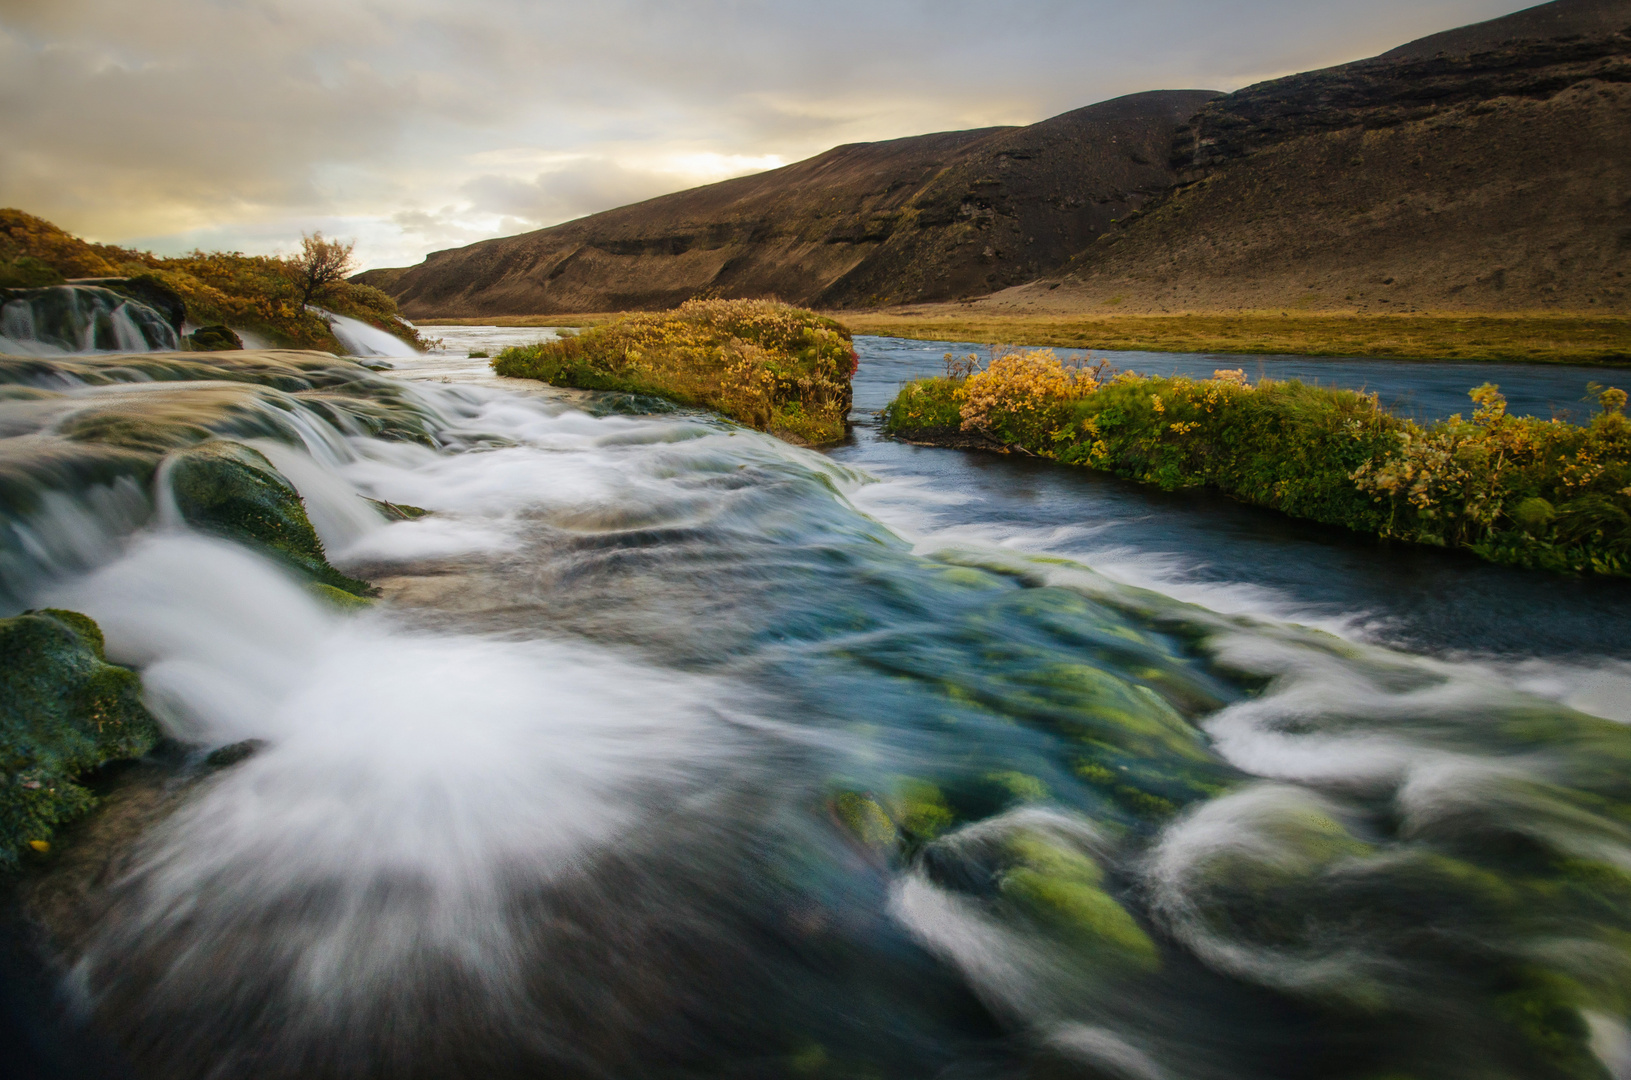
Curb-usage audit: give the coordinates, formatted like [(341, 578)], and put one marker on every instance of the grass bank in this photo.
[(1535, 338), (1521, 491), (258, 293), (769, 366)]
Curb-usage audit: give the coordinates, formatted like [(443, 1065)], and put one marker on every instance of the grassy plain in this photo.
[(1533, 337)]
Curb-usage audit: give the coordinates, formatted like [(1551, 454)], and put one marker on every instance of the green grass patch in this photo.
[(769, 366), (1536, 337)]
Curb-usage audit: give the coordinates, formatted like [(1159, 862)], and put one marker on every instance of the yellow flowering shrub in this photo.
[(1531, 492), (764, 364), (1022, 396)]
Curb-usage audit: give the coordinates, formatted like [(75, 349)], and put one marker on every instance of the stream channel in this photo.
[(676, 751)]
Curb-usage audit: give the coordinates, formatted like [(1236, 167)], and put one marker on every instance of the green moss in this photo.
[(865, 820), (344, 601), (234, 492), (921, 810), (63, 711), (1022, 787), (1064, 887)]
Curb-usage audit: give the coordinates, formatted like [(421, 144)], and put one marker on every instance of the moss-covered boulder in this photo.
[(214, 339), (234, 492), (64, 710)]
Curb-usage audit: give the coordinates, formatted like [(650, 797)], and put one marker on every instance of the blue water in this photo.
[(1424, 390), (1228, 556)]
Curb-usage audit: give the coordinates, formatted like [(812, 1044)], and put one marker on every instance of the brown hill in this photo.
[(925, 218), (1487, 168)]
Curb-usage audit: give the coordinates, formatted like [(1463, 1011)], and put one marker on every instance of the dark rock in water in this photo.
[(64, 710), (399, 511), (214, 339), (233, 491), (227, 756)]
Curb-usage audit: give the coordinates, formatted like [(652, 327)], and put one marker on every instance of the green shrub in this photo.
[(766, 365), (1528, 492)]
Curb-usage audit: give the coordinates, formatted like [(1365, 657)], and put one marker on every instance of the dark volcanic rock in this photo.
[(1497, 178)]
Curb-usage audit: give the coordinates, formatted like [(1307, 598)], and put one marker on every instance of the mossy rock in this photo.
[(234, 492), (1063, 887), (216, 338), (339, 598), (64, 710)]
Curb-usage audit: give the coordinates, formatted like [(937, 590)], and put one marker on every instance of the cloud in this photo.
[(588, 184), (416, 124)]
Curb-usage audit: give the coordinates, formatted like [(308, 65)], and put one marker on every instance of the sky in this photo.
[(416, 125)]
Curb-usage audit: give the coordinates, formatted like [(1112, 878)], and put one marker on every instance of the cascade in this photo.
[(360, 339), (79, 319)]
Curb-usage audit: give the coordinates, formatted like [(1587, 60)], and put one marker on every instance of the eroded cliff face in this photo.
[(1495, 178), (932, 217)]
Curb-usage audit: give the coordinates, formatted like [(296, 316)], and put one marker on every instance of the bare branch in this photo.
[(320, 263)]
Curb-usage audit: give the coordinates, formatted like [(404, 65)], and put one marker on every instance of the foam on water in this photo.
[(524, 850)]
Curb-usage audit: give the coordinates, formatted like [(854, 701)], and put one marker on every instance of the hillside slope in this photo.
[(925, 218), (1481, 169)]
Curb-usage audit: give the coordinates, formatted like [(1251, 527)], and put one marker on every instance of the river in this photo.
[(676, 751)]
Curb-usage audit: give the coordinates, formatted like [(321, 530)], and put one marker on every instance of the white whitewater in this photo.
[(360, 339), (69, 319)]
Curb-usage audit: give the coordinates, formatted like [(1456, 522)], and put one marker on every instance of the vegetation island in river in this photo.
[(1516, 490)]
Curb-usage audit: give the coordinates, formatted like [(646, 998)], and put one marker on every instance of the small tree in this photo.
[(320, 263)]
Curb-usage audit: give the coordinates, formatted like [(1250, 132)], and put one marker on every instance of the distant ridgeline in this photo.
[(60, 294), (1485, 168)]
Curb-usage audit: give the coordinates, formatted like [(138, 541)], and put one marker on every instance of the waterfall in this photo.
[(360, 339), (80, 319)]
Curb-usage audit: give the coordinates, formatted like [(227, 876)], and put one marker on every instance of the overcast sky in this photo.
[(413, 125)]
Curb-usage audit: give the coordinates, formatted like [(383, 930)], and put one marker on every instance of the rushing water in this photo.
[(677, 751), (80, 319)]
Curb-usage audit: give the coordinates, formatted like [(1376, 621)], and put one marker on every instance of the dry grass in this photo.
[(591, 319), (1537, 338)]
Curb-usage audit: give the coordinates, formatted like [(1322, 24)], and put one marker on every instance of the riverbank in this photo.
[(1531, 337), (260, 295), (1514, 490)]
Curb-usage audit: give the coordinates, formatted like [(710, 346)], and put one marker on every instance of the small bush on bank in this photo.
[(1523, 491), (764, 364)]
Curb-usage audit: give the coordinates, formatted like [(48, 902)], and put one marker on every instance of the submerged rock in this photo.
[(234, 492), (64, 710)]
